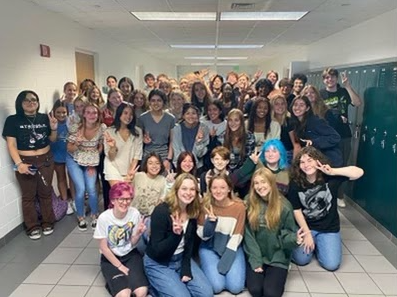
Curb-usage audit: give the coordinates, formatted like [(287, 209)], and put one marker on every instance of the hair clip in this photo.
[(128, 103)]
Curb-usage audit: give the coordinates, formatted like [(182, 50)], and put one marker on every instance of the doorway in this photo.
[(84, 67)]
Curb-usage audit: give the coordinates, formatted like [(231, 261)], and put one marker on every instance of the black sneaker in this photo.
[(48, 231), (35, 234), (93, 224), (82, 225)]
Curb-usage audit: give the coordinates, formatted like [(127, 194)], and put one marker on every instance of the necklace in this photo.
[(33, 137)]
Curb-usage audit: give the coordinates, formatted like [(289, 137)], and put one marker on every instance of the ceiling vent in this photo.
[(242, 6)]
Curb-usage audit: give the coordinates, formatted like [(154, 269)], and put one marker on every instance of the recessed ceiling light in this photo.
[(213, 58), (263, 16), (174, 16), (193, 46), (239, 46), (232, 58), (201, 64), (199, 58)]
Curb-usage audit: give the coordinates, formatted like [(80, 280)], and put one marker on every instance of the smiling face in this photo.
[(286, 90), (272, 156), (213, 112), (299, 108), (262, 110), (153, 166), (308, 165), (217, 83), (156, 103), (227, 91), (191, 117), (263, 91), (126, 88), (111, 83), (78, 107), (187, 164), (95, 95), (242, 82), (61, 113), (139, 100), (91, 115), (280, 106), (115, 99), (330, 81), (187, 192), (234, 122), (70, 91), (184, 85), (126, 116), (298, 86), (311, 94), (261, 186), (272, 77), (200, 91), (122, 203), (219, 189), (219, 163), (177, 102)]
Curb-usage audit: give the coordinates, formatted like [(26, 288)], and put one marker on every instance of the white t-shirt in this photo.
[(118, 232)]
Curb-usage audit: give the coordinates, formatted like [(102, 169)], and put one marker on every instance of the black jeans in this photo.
[(269, 283)]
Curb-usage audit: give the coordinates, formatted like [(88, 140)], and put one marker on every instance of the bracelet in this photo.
[(17, 164)]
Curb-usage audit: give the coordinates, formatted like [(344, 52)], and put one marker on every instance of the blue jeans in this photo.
[(328, 249), (233, 281), (165, 280), (84, 181)]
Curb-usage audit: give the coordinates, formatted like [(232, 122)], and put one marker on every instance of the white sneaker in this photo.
[(341, 203), (35, 234), (70, 208)]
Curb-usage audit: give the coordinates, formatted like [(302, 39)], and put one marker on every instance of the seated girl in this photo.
[(313, 193), (270, 236), (221, 230), (168, 260), (118, 231)]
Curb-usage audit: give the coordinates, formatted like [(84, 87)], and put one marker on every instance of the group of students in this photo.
[(150, 151)]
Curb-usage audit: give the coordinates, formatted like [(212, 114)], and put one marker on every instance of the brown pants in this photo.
[(39, 185)]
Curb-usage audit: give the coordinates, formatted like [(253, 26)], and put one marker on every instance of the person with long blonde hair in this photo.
[(168, 260), (270, 236), (221, 228)]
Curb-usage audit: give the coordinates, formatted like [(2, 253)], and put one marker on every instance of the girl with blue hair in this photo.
[(274, 157)]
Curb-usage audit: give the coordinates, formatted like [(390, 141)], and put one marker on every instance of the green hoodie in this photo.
[(271, 247)]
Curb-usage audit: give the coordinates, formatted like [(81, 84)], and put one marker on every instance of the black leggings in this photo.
[(269, 283)]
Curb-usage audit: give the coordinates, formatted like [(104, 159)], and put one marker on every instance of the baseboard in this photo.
[(11, 235)]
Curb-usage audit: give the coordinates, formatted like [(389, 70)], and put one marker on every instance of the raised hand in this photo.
[(210, 213), (307, 141), (200, 134), (53, 121), (213, 132), (345, 79), (258, 74), (131, 173), (110, 141), (255, 156), (141, 228), (170, 176), (146, 138), (324, 168), (177, 224)]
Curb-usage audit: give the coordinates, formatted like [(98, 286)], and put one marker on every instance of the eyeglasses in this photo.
[(124, 200), (29, 101)]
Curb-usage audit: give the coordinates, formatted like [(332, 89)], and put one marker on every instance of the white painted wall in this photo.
[(370, 42), (24, 27)]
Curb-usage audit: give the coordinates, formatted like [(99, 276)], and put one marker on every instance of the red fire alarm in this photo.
[(45, 51)]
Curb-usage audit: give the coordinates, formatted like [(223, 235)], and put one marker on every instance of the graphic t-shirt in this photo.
[(31, 132), (118, 232), (339, 102), (318, 203)]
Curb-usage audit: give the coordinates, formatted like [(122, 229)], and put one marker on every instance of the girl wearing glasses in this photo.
[(118, 232), (28, 134)]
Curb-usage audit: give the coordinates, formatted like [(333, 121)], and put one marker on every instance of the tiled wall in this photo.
[(24, 27)]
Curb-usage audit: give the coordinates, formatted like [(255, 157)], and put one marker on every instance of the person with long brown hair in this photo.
[(84, 147), (221, 228), (313, 195), (240, 142), (168, 260), (270, 236)]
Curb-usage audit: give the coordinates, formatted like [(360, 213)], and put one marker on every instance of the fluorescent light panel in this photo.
[(213, 58), (201, 64), (220, 46), (263, 16), (174, 16)]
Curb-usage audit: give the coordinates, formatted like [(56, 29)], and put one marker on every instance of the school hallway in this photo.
[(67, 264)]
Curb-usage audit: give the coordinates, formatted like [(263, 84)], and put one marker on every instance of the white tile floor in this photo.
[(72, 269)]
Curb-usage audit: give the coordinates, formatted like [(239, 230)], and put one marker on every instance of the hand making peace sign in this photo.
[(53, 121)]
